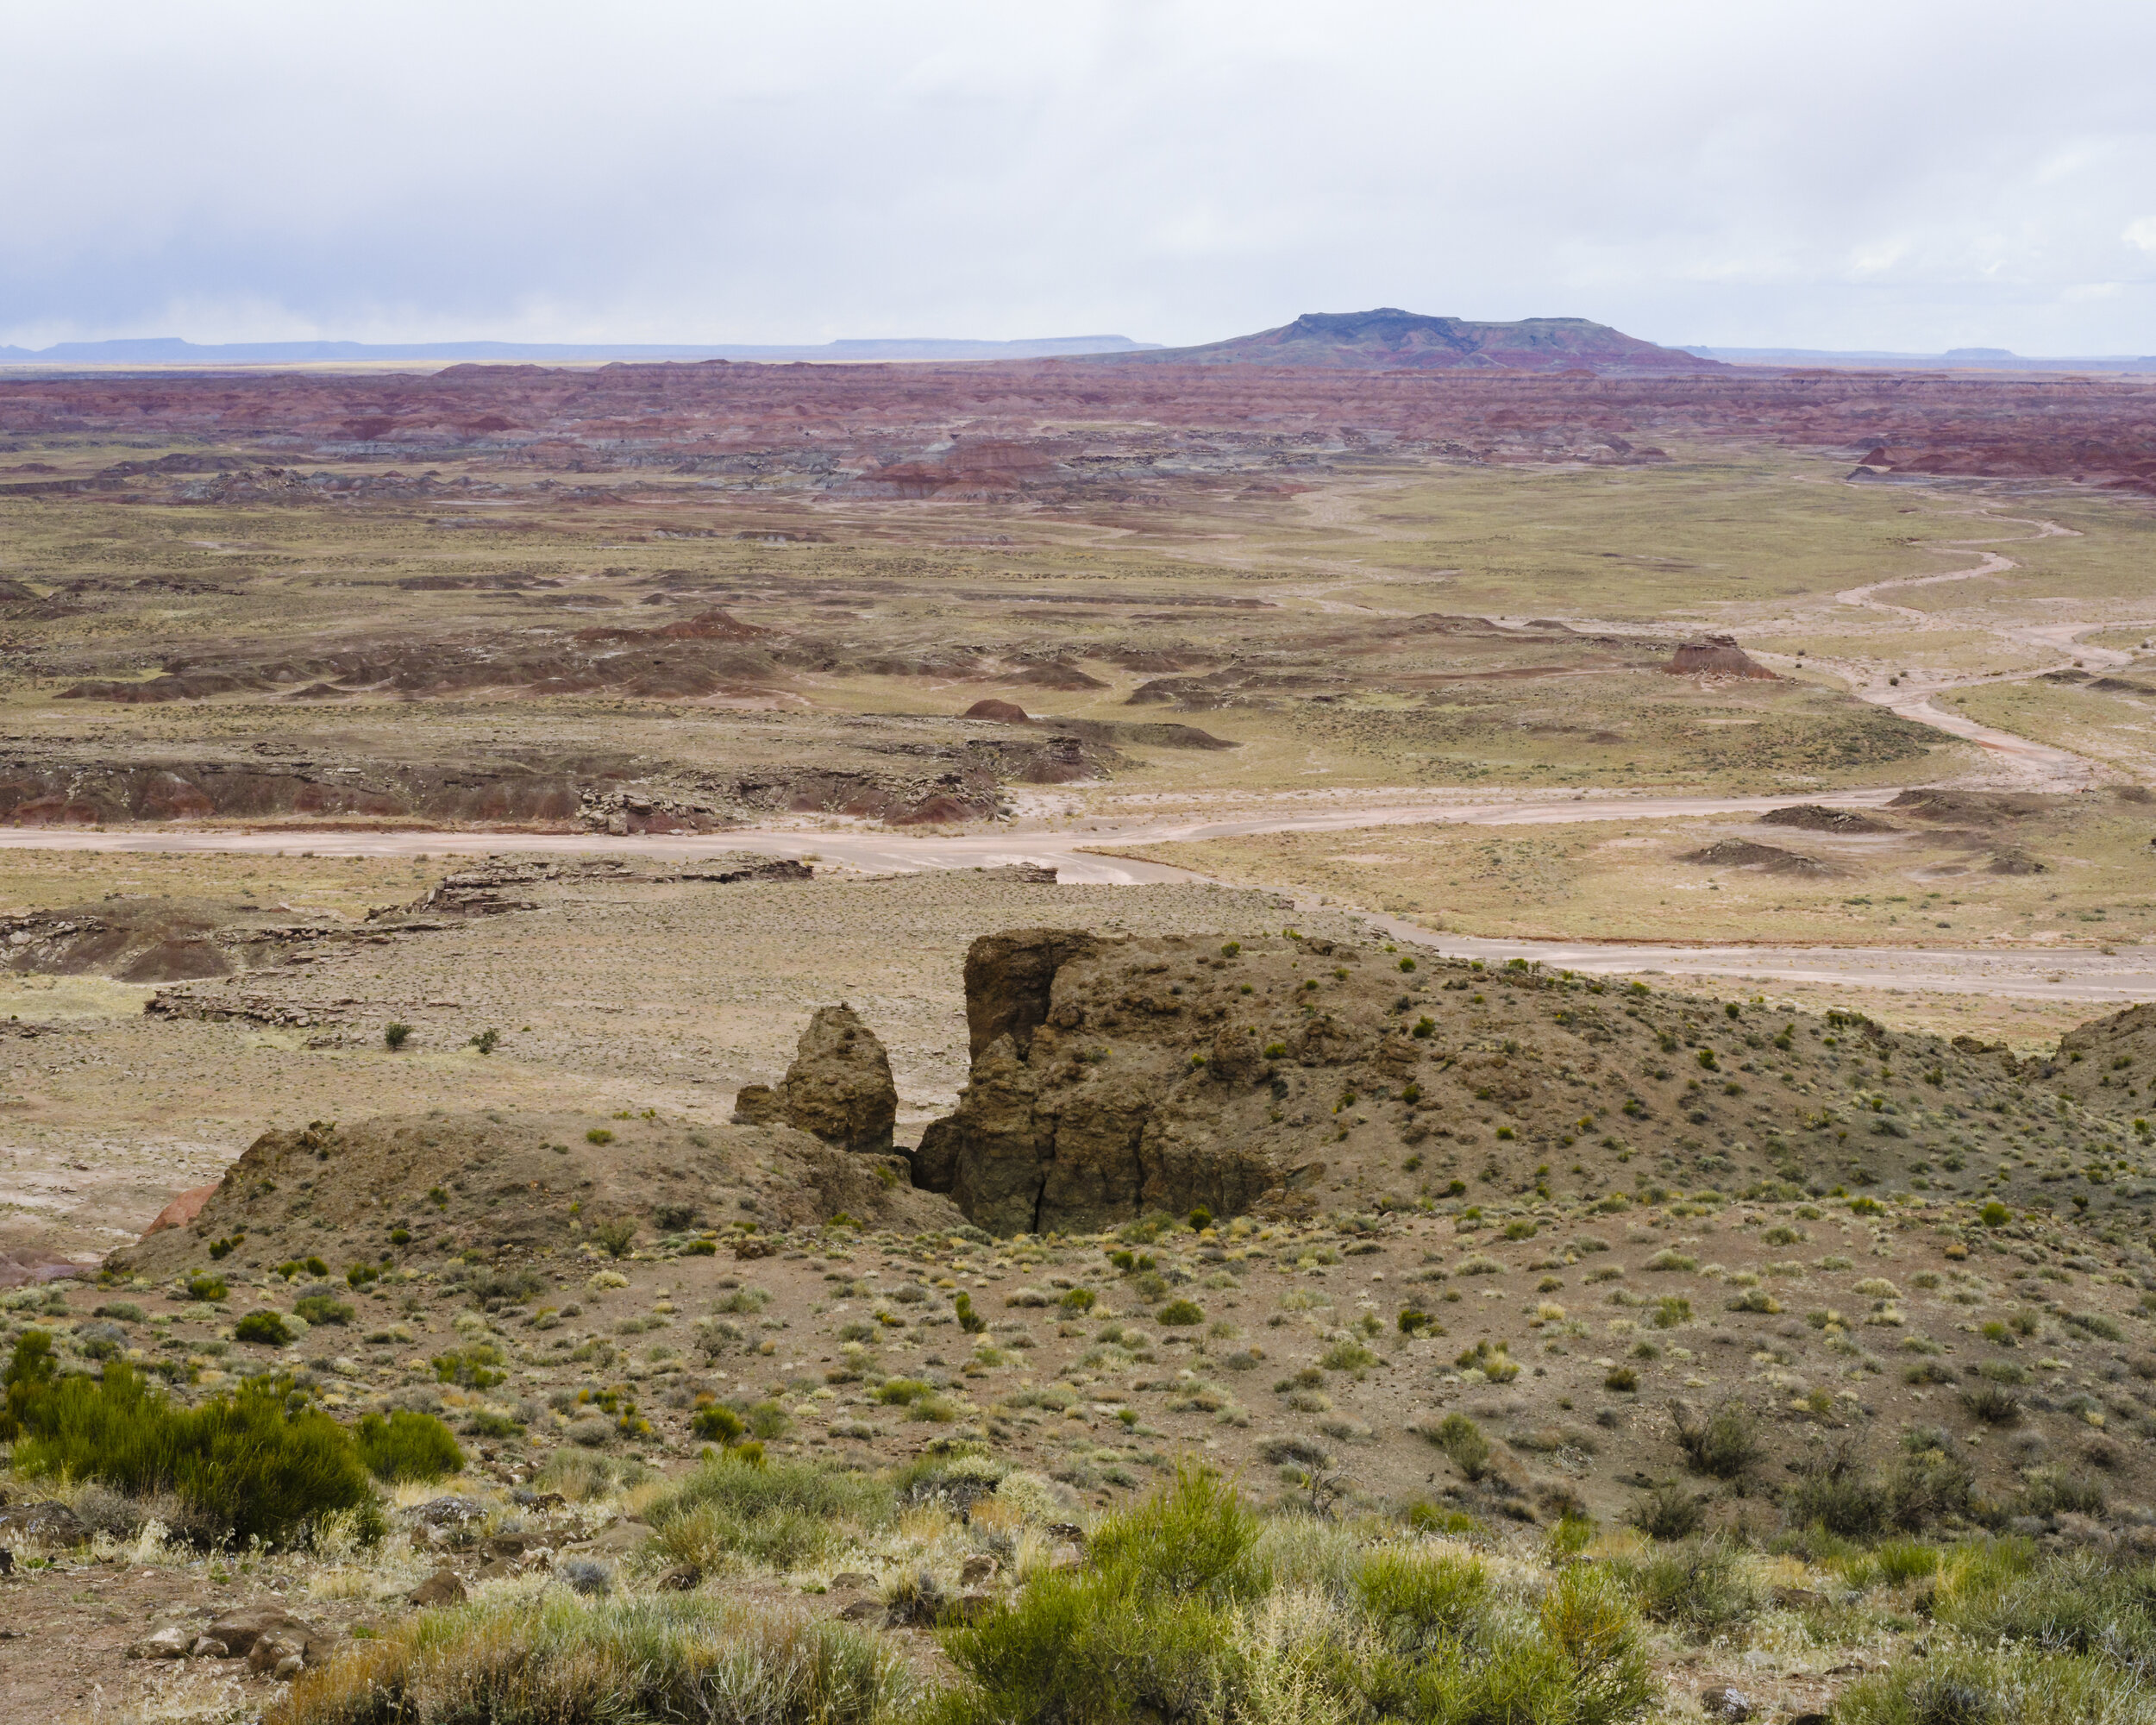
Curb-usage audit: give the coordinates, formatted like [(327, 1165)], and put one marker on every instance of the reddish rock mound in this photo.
[(1715, 655), (1005, 713)]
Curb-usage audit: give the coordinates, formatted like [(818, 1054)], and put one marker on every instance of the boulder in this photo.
[(441, 1588), (839, 1087), (170, 1642), (266, 1635), (42, 1524)]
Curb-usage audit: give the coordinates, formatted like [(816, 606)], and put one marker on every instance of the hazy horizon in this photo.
[(1837, 177)]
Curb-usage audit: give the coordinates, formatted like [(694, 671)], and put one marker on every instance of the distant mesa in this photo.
[(1388, 339), (1715, 655)]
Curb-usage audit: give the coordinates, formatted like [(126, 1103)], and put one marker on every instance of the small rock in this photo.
[(449, 1512), (167, 1643), (272, 1653), (441, 1588), (1070, 1531), (1721, 1702), (851, 1581), (681, 1578), (208, 1648), (538, 1501), (242, 1631), (862, 1611), (1066, 1556), (976, 1569)]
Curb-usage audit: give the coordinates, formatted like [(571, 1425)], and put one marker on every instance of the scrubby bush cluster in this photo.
[(575, 1658), (1192, 1608), (246, 1464)]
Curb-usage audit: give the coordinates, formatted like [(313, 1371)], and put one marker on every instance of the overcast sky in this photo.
[(1749, 173)]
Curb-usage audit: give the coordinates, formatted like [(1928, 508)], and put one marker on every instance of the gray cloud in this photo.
[(1920, 175)]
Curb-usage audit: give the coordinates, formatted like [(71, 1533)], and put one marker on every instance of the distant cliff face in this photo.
[(1388, 339)]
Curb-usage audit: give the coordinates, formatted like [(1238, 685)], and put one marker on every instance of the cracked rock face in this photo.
[(1099, 1092), (839, 1087)]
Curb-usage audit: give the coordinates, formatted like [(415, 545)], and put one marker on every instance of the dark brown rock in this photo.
[(839, 1087), (441, 1588), (1008, 980)]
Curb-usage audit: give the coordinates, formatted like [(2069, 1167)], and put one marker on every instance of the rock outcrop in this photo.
[(1058, 1130), (839, 1087), (1716, 656)]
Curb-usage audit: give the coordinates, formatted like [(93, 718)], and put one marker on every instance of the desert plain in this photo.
[(1539, 963)]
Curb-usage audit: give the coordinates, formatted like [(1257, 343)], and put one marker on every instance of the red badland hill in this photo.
[(1035, 429)]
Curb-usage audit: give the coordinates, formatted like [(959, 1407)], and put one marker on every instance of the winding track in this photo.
[(1083, 855)]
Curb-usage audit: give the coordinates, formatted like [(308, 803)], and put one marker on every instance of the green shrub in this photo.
[(1420, 1598), (322, 1308), (782, 1513), (1079, 1301), (1700, 1585), (1993, 1403), (718, 1424), (407, 1445), (615, 1235), (245, 1465), (576, 1661), (2046, 1491), (1348, 1355), (394, 1036), (207, 1287), (2000, 1592), (581, 1476), (266, 1328), (1724, 1444), (476, 1366), (1181, 1314), (1995, 1686), (1667, 1511), (1187, 1612), (1463, 1445)]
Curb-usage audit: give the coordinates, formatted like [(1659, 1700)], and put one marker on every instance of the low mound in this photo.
[(1975, 808), (1716, 656), (147, 939), (1742, 853), (535, 1185), (1005, 713), (1812, 818)]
